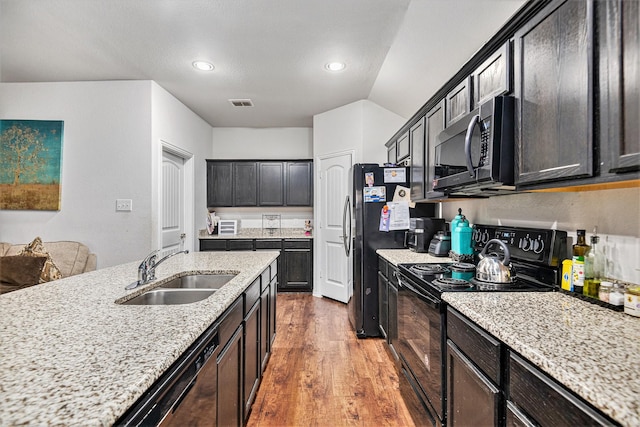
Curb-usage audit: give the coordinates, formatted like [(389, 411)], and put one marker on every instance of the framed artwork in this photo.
[(30, 164)]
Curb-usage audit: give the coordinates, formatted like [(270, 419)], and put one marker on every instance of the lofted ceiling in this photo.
[(397, 52)]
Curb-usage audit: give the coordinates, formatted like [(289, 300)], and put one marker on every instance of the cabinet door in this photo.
[(252, 360), (417, 142), (403, 148), (434, 124), (265, 340), (297, 266), (219, 184), (472, 398), (554, 117), (273, 296), (494, 77), (230, 374), (245, 184), (271, 187), (299, 184), (213, 245), (458, 102), (619, 86), (392, 334), (392, 156)]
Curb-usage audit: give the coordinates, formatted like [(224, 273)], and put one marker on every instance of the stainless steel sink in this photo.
[(170, 296), (199, 281)]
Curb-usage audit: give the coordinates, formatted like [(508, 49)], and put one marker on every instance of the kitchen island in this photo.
[(71, 355)]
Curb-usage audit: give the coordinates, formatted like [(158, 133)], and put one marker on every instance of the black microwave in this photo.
[(474, 155)]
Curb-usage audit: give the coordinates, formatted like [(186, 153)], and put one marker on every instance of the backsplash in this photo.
[(616, 213), (252, 217)]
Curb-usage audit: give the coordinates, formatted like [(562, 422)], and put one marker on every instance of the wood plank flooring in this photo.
[(320, 374)]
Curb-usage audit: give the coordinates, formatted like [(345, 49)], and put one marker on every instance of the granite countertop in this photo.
[(259, 233), (72, 356), (590, 349), (402, 256)]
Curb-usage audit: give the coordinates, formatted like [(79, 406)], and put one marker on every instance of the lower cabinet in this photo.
[(489, 384), (388, 304), (230, 373), (252, 354), (295, 261)]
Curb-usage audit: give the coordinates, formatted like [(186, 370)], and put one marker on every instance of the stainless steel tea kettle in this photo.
[(491, 268)]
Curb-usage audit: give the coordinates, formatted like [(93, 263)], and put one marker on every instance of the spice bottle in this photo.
[(617, 294), (580, 250), (605, 290), (593, 267)]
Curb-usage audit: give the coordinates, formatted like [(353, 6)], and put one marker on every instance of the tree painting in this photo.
[(30, 156)]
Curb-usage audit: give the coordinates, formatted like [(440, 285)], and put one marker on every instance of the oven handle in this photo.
[(433, 302), (475, 120)]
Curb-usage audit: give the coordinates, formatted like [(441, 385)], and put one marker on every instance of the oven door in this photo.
[(420, 343)]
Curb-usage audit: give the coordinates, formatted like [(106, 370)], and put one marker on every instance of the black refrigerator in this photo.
[(373, 187)]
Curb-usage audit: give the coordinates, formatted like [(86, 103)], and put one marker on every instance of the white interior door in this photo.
[(173, 203), (336, 269)]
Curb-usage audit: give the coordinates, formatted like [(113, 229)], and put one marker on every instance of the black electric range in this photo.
[(536, 256)]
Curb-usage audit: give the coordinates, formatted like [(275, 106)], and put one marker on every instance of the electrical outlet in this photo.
[(124, 205)]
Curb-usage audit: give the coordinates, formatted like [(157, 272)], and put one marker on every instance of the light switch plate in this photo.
[(124, 205)]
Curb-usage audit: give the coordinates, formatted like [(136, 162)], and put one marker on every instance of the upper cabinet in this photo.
[(418, 150), (434, 120), (494, 77), (459, 101), (619, 54), (403, 147), (299, 188), (259, 183), (554, 114)]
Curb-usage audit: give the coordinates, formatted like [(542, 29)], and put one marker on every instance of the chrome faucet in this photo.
[(147, 268)]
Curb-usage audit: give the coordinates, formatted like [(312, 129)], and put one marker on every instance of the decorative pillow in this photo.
[(21, 270), (36, 249)]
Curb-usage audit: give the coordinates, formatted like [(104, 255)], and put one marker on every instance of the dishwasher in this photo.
[(186, 394)]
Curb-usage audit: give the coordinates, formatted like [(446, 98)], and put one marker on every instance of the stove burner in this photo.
[(429, 269), (451, 283), (490, 286), (462, 266)]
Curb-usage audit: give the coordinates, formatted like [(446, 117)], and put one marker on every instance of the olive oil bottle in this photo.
[(580, 251), (593, 268)]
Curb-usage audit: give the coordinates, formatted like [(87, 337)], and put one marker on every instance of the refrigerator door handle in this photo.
[(346, 229)]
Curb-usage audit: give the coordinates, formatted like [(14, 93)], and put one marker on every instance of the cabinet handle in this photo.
[(475, 120)]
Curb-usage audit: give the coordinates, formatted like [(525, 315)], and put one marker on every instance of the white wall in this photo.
[(110, 151), (262, 143), (361, 126), (616, 213), (105, 156), (173, 123)]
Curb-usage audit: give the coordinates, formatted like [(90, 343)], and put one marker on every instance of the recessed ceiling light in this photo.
[(203, 65), (335, 66)]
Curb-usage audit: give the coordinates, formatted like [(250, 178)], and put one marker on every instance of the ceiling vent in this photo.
[(241, 102)]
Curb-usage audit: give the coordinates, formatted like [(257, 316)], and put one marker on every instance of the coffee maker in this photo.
[(421, 231)]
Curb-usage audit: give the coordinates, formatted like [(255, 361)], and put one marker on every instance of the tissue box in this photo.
[(228, 226)]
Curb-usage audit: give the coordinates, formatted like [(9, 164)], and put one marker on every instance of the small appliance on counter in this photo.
[(228, 226), (421, 231), (440, 245)]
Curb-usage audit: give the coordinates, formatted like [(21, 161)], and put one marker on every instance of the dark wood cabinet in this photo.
[(459, 101), (383, 304), (230, 381), (219, 183), (418, 160), (544, 402), (252, 355), (297, 266), (299, 188), (619, 89), (553, 87), (251, 183), (388, 305), (434, 121), (271, 184), (403, 147), (471, 397), (245, 184), (494, 77), (391, 153), (265, 339)]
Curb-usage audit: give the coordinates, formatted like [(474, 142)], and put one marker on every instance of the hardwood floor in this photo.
[(320, 374)]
